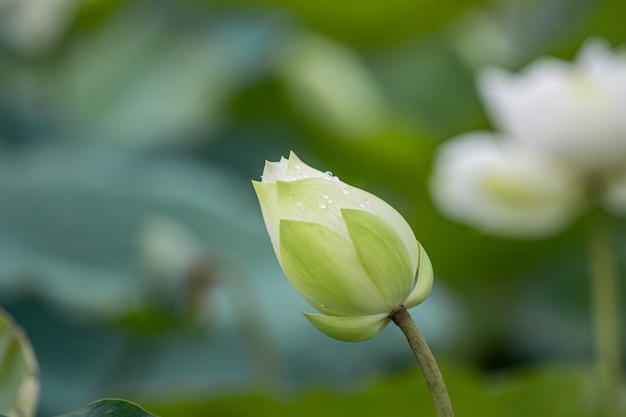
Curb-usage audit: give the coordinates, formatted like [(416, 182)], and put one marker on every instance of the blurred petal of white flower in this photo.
[(501, 187), (575, 112)]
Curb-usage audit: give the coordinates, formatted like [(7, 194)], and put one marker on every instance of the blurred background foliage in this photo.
[(132, 248)]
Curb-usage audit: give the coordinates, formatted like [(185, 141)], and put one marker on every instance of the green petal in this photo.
[(424, 283), (299, 170), (325, 269), (382, 209), (314, 200), (349, 329), (382, 253), (267, 195)]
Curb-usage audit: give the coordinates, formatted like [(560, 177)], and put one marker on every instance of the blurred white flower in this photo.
[(562, 140), (575, 112), (501, 187)]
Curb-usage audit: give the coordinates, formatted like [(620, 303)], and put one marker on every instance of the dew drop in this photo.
[(345, 191), (322, 206)]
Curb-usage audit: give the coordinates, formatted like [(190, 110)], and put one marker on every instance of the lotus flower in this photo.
[(560, 145), (347, 252)]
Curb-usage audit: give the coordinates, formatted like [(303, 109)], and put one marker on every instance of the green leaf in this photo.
[(110, 408), (19, 383), (542, 391), (370, 22)]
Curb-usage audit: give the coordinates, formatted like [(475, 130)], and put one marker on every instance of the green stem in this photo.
[(434, 380), (605, 311)]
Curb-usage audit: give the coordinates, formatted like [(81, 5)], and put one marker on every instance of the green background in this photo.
[(129, 125)]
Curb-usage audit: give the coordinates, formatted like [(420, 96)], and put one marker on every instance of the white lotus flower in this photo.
[(347, 252), (574, 112), (500, 187), (562, 139)]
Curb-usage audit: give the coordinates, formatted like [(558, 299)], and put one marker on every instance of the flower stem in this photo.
[(605, 311), (434, 380)]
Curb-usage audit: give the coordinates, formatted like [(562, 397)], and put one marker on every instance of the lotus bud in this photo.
[(348, 253)]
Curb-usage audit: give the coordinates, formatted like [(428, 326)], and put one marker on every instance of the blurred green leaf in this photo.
[(547, 391), (371, 22), (19, 382), (606, 20), (110, 408)]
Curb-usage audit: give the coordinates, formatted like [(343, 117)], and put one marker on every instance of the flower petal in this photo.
[(571, 111), (375, 205), (314, 199), (325, 269), (349, 329), (274, 171), (297, 170), (501, 187), (382, 253), (424, 283), (319, 200), (267, 195)]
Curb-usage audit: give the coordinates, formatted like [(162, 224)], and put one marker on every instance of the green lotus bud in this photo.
[(347, 252)]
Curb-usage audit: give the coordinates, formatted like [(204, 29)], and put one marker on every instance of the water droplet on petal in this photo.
[(322, 206), (345, 191)]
